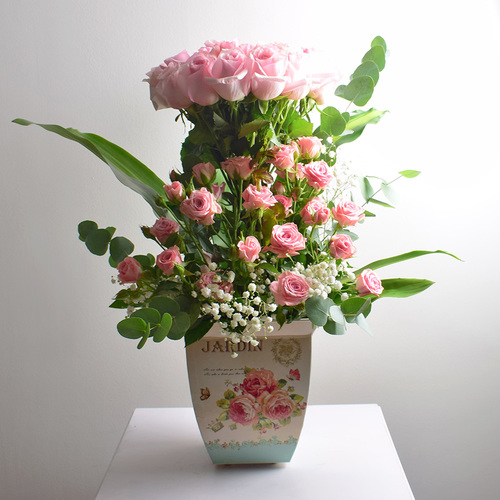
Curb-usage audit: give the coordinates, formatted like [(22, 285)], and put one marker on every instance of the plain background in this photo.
[(69, 382)]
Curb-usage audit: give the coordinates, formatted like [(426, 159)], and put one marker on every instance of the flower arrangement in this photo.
[(257, 227)]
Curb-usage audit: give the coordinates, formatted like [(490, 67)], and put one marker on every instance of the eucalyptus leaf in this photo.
[(165, 305), (197, 331), (377, 55), (409, 174), (97, 241), (251, 127), (148, 314), (119, 248), (378, 40), (300, 127), (359, 90), (317, 309), (334, 328), (363, 324), (180, 325), (354, 306), (161, 331), (368, 68), (332, 122), (85, 228), (132, 328)]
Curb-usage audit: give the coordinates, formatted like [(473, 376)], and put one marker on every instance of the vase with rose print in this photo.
[(251, 408)]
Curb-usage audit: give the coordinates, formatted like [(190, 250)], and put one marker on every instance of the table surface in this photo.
[(345, 452)]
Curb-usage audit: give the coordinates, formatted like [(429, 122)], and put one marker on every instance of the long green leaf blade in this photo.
[(128, 169), (404, 287), (400, 258)]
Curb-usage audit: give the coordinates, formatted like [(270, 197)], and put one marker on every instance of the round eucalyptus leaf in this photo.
[(97, 241), (148, 314), (132, 328), (85, 228), (119, 248), (180, 325), (368, 68)]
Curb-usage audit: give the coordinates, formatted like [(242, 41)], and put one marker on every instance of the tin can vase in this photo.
[(251, 408)]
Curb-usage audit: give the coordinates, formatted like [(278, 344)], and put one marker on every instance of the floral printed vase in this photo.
[(250, 408)]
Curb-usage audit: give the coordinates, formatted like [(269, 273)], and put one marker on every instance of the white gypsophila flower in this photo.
[(212, 266), (206, 292), (230, 276), (252, 287), (245, 295), (344, 296)]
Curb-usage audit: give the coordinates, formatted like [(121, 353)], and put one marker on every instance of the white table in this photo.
[(345, 452)]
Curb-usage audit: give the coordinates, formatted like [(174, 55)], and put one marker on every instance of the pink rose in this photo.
[(168, 258), (259, 381), (244, 410), (367, 282), (249, 249), (317, 173), (283, 157), (230, 74), (310, 147), (217, 190), (268, 71), (286, 240), (315, 212), (166, 86), (258, 199), (192, 77), (238, 167), (204, 173), (285, 201), (278, 405), (175, 192), (290, 290), (341, 247), (347, 213), (201, 206), (163, 228), (129, 270), (298, 85)]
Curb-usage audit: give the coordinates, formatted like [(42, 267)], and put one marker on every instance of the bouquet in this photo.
[(258, 227)]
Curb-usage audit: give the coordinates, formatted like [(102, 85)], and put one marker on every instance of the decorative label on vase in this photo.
[(250, 409)]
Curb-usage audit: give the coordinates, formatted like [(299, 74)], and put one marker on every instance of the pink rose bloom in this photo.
[(166, 86), (257, 199), (175, 192), (268, 71), (168, 258), (315, 212), (278, 405), (163, 228), (347, 213), (129, 270), (317, 173), (204, 173), (290, 290), (367, 282), (278, 188), (201, 206), (259, 381), (238, 167), (192, 77), (310, 147), (244, 410), (341, 247), (285, 201), (283, 157), (286, 240), (230, 74), (249, 249), (214, 47), (217, 190)]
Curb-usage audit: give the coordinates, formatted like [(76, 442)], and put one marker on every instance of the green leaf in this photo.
[(119, 248), (190, 306), (180, 325), (409, 174), (378, 40), (317, 309), (164, 305), (359, 90), (132, 328), (368, 68), (85, 228), (389, 193), (268, 267), (366, 188), (336, 314), (404, 287), (354, 306), (379, 202), (363, 324), (300, 128), (97, 241), (332, 122), (161, 331), (148, 314), (197, 332), (251, 127), (377, 55), (359, 119), (400, 258), (129, 170), (144, 260), (334, 328)]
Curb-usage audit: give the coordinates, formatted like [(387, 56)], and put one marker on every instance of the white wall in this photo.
[(69, 382)]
